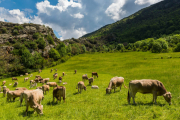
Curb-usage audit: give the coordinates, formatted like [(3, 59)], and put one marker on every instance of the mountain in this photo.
[(154, 21)]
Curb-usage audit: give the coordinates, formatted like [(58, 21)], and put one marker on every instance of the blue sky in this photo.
[(70, 18)]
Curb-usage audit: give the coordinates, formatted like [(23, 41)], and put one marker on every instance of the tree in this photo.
[(50, 39), (27, 59), (38, 59), (177, 48), (83, 48), (41, 43), (120, 46), (53, 53), (156, 48), (62, 49)]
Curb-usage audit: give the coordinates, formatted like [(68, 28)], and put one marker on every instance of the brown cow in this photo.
[(45, 88), (59, 92), (52, 84), (60, 78), (32, 81), (21, 88), (80, 86), (95, 74), (84, 77), (25, 79), (33, 99), (37, 76), (51, 70), (40, 87), (75, 71), (145, 86), (14, 78), (3, 83), (55, 76), (15, 84), (91, 79), (63, 73), (5, 90), (115, 82), (13, 94), (45, 80), (56, 70)]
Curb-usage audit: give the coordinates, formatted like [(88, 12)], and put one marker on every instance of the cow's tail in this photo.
[(21, 99), (125, 86)]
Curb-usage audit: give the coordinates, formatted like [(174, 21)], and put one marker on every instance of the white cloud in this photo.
[(1, 19), (115, 10), (142, 2), (78, 15)]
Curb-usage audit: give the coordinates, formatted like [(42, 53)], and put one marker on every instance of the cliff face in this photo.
[(12, 32)]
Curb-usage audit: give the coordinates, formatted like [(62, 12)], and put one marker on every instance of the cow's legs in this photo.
[(114, 88), (26, 109), (120, 87), (154, 97), (133, 97), (14, 99)]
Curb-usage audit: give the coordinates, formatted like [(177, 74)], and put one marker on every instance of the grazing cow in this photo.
[(31, 75), (21, 75), (145, 86), (94, 87), (91, 79), (95, 74), (84, 77), (26, 74), (45, 80), (3, 83), (21, 88), (13, 94), (37, 76), (33, 99), (60, 78), (63, 73), (33, 85), (15, 84), (14, 78), (59, 92), (25, 79), (115, 82), (40, 70), (56, 70), (55, 76), (80, 86), (5, 90), (40, 79), (36, 80), (75, 71), (52, 84), (45, 88), (31, 82), (40, 87), (51, 70)]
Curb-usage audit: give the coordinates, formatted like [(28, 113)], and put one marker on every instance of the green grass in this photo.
[(94, 103)]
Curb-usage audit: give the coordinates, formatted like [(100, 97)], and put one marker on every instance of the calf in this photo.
[(95, 74), (145, 86), (3, 83), (115, 82), (14, 78), (59, 92), (25, 79), (45, 88), (15, 84), (91, 79), (52, 84), (80, 86), (84, 77), (13, 94), (45, 80)]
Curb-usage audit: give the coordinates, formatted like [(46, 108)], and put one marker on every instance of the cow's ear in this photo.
[(164, 95)]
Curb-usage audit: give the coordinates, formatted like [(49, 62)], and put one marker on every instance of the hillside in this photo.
[(154, 21), (94, 104)]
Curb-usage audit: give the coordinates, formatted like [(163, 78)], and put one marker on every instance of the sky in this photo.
[(70, 18)]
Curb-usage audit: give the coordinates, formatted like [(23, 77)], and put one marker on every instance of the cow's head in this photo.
[(167, 96), (108, 90), (39, 109)]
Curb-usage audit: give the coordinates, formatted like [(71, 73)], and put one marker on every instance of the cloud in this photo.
[(78, 15), (115, 9), (142, 2)]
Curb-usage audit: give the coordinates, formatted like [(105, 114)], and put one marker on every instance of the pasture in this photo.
[(94, 103)]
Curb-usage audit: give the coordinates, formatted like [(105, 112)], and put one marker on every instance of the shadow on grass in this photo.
[(75, 93), (29, 113), (52, 103), (146, 104)]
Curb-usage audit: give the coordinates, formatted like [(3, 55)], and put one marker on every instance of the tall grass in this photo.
[(94, 103)]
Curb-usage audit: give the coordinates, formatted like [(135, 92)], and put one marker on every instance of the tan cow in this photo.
[(45, 80), (55, 76), (84, 77), (26, 74), (80, 86), (145, 86), (59, 92), (33, 99), (5, 90), (37, 76), (25, 79), (14, 78), (36, 80), (40, 87), (115, 82), (91, 79), (15, 84), (52, 84), (3, 83), (13, 94), (95, 74), (45, 88), (21, 88)]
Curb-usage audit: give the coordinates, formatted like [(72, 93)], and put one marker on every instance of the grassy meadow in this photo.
[(94, 103)]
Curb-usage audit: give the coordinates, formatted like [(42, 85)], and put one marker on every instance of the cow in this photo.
[(115, 82), (33, 85), (5, 90), (21, 75), (56, 70), (91, 79), (33, 99), (32, 81), (45, 80), (52, 84), (36, 80), (60, 78), (84, 77), (26, 74), (80, 86), (51, 70), (13, 94), (21, 88), (145, 86), (15, 84), (75, 71), (25, 79), (55, 76), (3, 83), (37, 76), (14, 78), (45, 88), (63, 73), (40, 87), (95, 74), (59, 92), (40, 70)]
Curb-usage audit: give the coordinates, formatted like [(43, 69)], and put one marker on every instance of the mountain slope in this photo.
[(153, 21)]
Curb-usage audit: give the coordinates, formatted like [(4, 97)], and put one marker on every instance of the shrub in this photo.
[(50, 39), (31, 45), (120, 46), (156, 48), (53, 53), (4, 30), (15, 32), (41, 43), (177, 48), (36, 35)]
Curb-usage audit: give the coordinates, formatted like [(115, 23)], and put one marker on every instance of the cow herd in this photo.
[(33, 98)]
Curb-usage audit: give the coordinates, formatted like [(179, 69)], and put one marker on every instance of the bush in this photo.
[(4, 30), (50, 39), (31, 45), (120, 46), (36, 35), (41, 43), (15, 32), (53, 53), (156, 48), (177, 48), (18, 27)]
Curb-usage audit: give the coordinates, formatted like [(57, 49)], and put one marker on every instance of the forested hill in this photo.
[(156, 20)]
